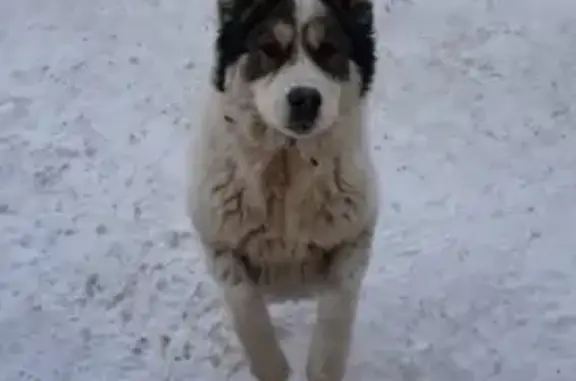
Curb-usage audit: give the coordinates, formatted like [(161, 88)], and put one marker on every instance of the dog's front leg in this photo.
[(254, 328), (336, 313), (328, 353)]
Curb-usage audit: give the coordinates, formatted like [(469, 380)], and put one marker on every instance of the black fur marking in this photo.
[(236, 23), (332, 54), (267, 52), (239, 17), (357, 20)]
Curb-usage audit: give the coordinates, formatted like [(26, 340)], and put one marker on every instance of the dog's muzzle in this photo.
[(304, 104)]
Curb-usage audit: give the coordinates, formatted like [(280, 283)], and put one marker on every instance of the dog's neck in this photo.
[(270, 154), (257, 143)]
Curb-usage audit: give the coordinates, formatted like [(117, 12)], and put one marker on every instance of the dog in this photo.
[(282, 190)]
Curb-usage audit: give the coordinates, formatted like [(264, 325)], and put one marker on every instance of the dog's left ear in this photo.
[(361, 9), (359, 12)]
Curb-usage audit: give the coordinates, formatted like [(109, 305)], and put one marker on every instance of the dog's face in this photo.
[(304, 62)]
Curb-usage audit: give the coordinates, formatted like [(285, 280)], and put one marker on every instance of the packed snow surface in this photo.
[(473, 125)]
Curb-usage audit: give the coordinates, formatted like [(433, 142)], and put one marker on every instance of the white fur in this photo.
[(330, 173), (270, 95)]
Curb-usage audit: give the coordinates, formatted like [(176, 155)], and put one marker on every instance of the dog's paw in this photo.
[(274, 368)]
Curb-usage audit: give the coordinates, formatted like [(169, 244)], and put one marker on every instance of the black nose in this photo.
[(304, 104)]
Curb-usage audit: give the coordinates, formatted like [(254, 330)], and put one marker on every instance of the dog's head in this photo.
[(303, 62)]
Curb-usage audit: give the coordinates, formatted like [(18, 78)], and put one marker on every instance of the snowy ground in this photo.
[(475, 133)]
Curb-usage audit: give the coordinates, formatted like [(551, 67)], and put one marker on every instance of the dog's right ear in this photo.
[(225, 11), (236, 19), (238, 10), (233, 27)]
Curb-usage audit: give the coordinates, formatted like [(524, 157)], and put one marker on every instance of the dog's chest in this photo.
[(287, 211)]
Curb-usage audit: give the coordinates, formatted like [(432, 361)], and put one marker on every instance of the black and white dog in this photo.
[(282, 189)]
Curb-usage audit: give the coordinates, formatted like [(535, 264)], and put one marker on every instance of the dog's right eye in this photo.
[(266, 55)]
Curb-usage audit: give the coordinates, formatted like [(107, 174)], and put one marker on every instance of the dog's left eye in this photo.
[(271, 49), (326, 50)]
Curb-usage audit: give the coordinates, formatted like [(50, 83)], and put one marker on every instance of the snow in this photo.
[(474, 130)]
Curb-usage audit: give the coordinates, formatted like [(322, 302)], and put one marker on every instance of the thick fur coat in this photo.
[(286, 205)]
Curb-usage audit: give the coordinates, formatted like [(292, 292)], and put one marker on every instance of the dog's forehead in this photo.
[(307, 10), (296, 13)]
